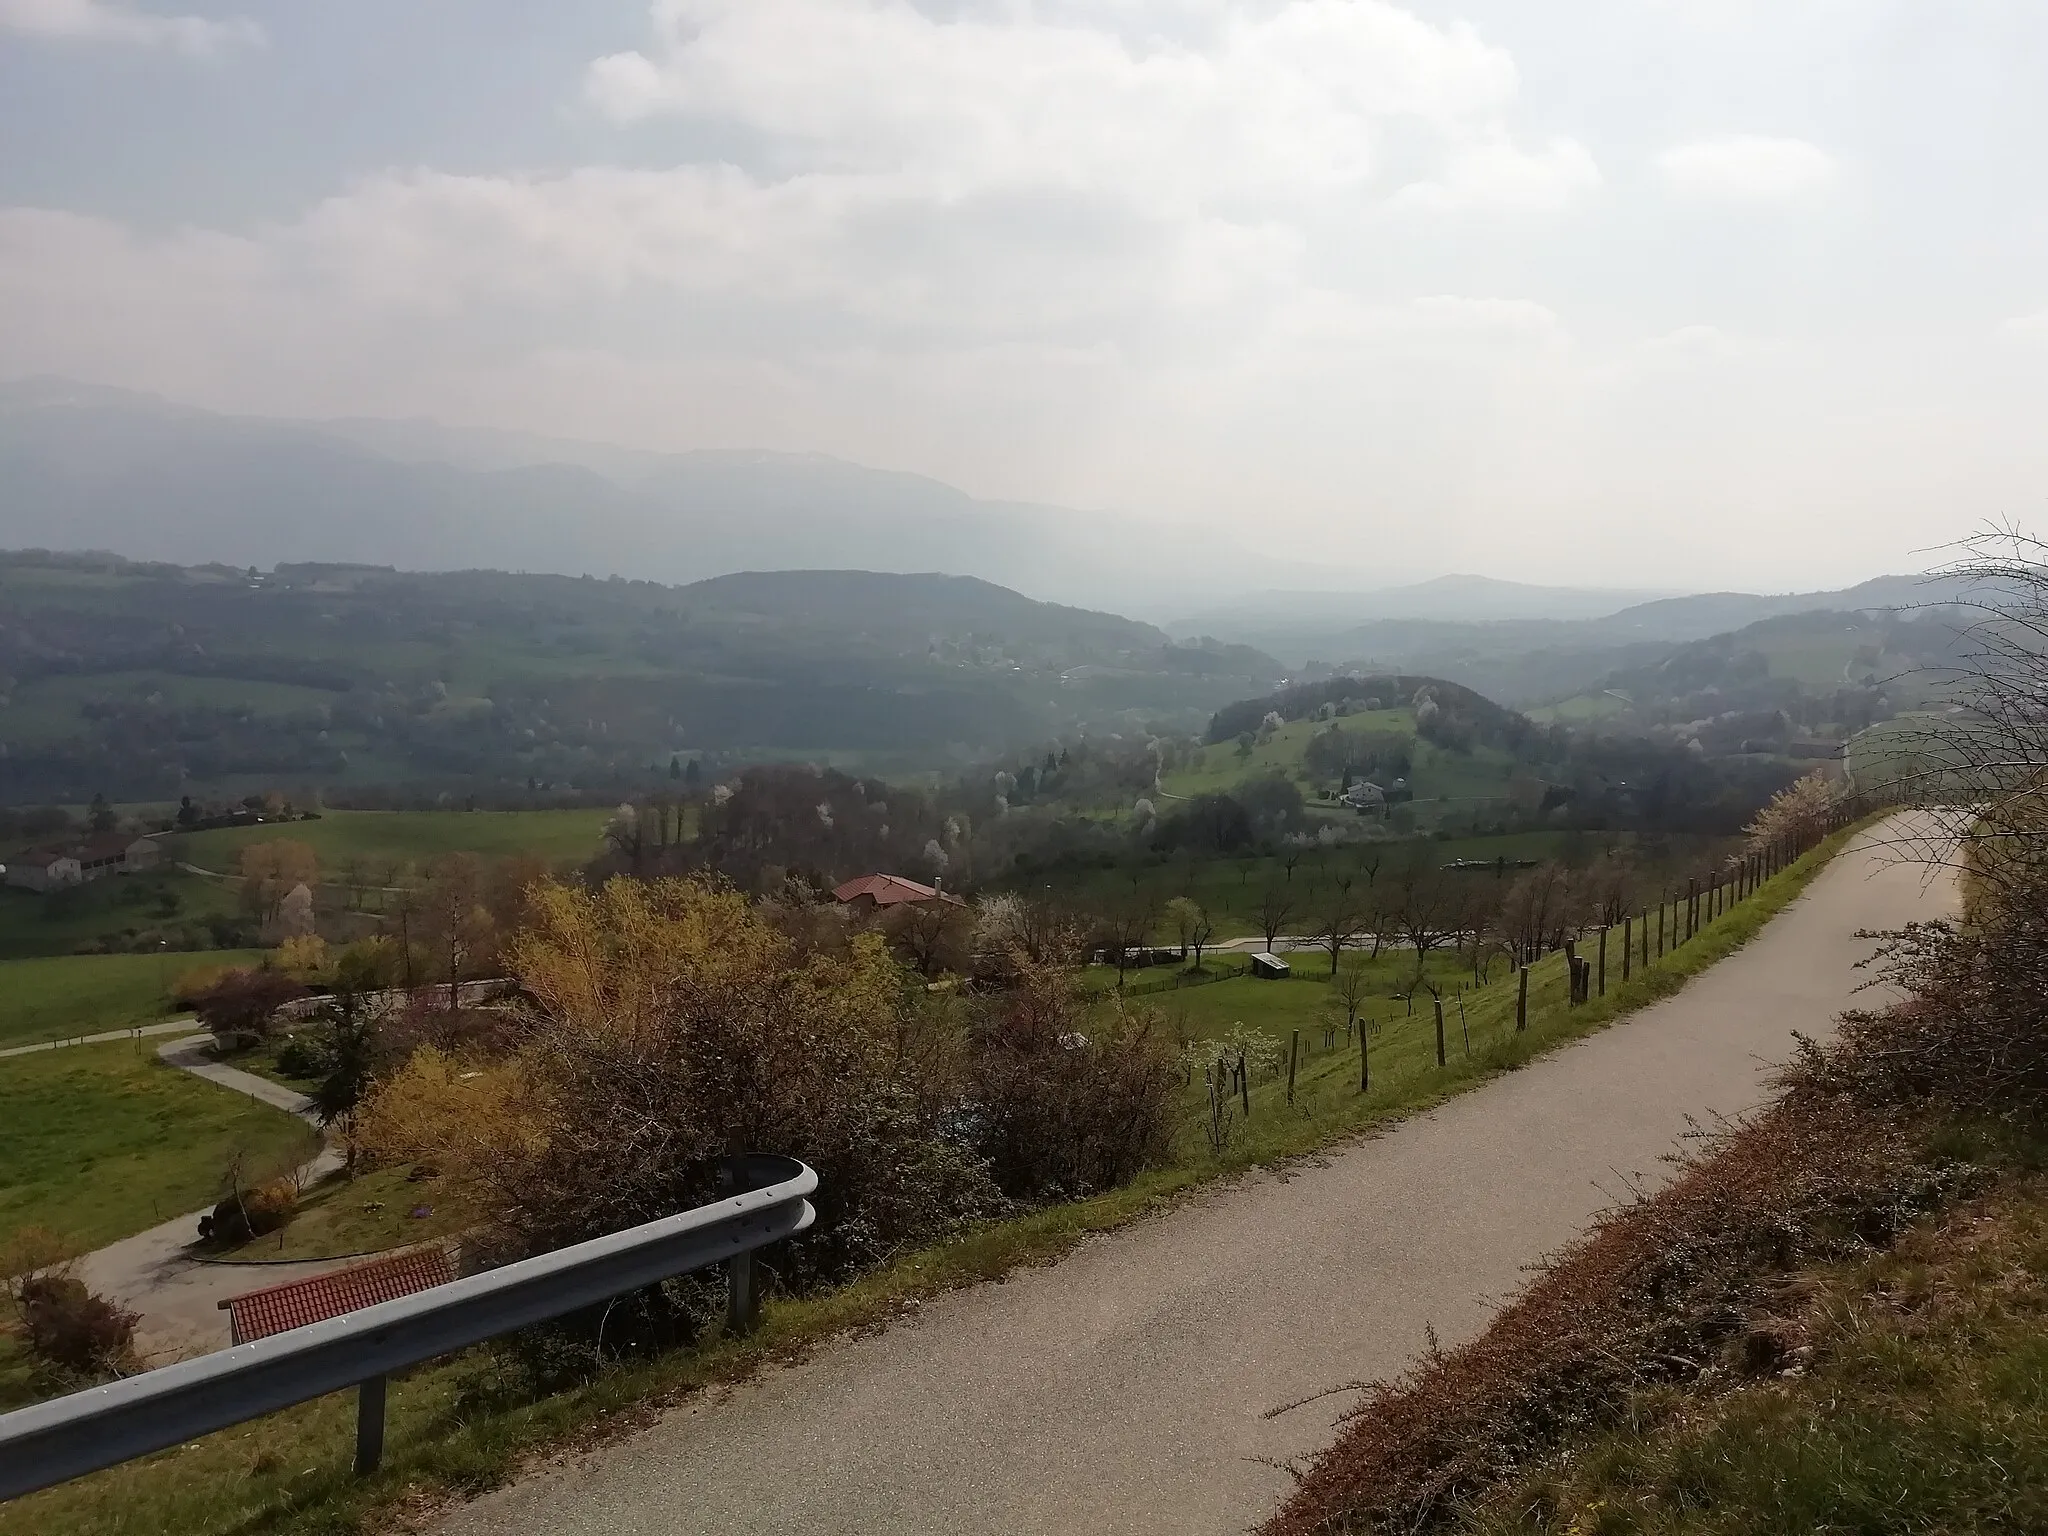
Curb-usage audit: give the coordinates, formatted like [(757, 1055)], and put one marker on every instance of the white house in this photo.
[(59, 864)]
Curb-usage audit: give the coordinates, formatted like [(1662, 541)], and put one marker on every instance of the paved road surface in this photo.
[(1122, 1390), (154, 1273), (105, 1037)]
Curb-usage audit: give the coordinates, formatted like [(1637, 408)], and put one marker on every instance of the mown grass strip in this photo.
[(461, 1426)]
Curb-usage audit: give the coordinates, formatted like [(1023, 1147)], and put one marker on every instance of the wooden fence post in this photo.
[(1439, 1028), (1628, 948), (1244, 1086), (1571, 972), (1522, 1000), (1660, 929), (1364, 1060), (1603, 959), (1293, 1056)]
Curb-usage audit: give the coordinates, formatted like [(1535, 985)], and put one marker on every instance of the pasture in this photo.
[(399, 839), (98, 1142), (161, 910), (57, 997)]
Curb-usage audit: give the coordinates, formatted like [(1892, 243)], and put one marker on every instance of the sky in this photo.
[(1667, 293)]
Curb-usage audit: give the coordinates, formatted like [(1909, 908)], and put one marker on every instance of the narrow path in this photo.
[(156, 1275), (104, 1037), (1125, 1389)]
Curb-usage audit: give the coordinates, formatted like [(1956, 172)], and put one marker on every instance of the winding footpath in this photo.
[(156, 1275), (1127, 1388)]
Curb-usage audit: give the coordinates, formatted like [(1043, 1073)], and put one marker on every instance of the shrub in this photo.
[(249, 1213), (1059, 1113), (672, 1025), (67, 1326), (240, 1006)]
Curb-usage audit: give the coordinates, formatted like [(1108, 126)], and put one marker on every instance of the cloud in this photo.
[(1747, 168), (1188, 104), (104, 21)]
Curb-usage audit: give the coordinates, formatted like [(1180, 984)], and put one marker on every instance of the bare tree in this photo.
[(1340, 919), (1126, 926), (1349, 989), (1276, 905), (1424, 910)]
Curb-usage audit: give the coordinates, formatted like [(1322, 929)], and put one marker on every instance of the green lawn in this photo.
[(65, 995), (386, 838), (101, 1141), (342, 1216)]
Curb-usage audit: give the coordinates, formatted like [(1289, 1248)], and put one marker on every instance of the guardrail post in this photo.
[(1522, 999), (369, 1425), (742, 1297)]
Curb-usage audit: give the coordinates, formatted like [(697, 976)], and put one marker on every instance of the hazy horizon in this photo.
[(1625, 294)]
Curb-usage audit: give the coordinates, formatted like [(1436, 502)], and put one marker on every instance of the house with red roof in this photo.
[(871, 892)]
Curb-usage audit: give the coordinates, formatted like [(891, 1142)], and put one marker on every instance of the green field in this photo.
[(1220, 767), (101, 1141), (1581, 709), (57, 997), (161, 909), (414, 838)]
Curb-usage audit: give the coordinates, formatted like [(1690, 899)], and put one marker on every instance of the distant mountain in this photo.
[(83, 466), (1711, 613), (1471, 599)]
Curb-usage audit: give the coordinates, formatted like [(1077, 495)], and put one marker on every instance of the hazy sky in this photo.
[(1671, 292)]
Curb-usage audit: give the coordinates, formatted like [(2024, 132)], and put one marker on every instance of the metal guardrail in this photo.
[(55, 1441)]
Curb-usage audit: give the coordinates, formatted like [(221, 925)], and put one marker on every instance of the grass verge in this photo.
[(1915, 1399), (459, 1426), (60, 997)]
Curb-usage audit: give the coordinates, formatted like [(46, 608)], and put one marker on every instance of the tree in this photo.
[(457, 925), (693, 776), (101, 817), (1340, 919), (239, 1006), (675, 766), (1193, 924), (1276, 905), (1425, 910), (271, 870), (934, 936), (1350, 986), (1127, 926)]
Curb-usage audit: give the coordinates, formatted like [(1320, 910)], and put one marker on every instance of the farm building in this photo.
[(872, 891), (59, 864)]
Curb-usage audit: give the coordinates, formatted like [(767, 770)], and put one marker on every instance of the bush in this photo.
[(1059, 1113), (672, 1026), (67, 1326), (250, 1213)]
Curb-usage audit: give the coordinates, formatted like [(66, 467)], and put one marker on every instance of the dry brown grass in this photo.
[(1661, 1290)]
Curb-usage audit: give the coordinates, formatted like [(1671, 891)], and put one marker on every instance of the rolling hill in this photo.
[(148, 681)]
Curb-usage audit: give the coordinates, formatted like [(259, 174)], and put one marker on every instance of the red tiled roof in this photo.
[(296, 1303), (889, 890)]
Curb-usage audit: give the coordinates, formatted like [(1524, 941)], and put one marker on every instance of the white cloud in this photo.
[(1747, 168), (1190, 104), (105, 21)]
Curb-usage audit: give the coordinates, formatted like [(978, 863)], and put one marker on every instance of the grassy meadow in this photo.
[(101, 1141), (57, 997), (127, 909), (383, 840)]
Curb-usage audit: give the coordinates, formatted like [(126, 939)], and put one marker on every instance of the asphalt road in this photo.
[(1125, 1389)]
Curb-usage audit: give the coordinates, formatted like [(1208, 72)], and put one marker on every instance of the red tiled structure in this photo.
[(296, 1303), (889, 891)]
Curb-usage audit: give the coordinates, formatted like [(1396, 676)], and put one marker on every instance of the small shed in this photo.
[(1269, 967)]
